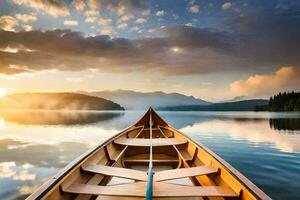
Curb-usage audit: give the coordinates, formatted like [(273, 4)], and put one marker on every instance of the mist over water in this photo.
[(34, 145)]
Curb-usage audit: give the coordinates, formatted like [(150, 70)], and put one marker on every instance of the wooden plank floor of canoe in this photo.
[(102, 197), (160, 189)]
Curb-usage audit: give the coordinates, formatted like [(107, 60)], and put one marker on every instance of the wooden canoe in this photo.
[(149, 160)]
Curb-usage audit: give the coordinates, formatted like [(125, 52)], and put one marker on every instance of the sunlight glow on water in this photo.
[(263, 146)]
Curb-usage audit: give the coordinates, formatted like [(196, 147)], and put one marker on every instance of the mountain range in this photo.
[(234, 99), (132, 100), (56, 101), (246, 105)]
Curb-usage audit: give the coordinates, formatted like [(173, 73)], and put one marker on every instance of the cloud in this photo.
[(8, 23), (119, 6), (6, 170), (91, 13), (284, 79), (26, 18), (268, 37), (140, 21), (70, 23), (107, 30), (120, 10), (90, 19), (151, 30), (69, 50), (122, 25), (189, 24), (104, 21), (52, 7), (28, 189), (24, 176), (79, 5), (91, 16), (146, 12), (135, 29), (125, 18), (93, 4), (160, 13), (262, 39), (227, 5), (194, 9), (27, 27)]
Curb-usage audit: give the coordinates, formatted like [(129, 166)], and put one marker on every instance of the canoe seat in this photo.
[(183, 172), (138, 189), (141, 142), (142, 176), (146, 161), (117, 172)]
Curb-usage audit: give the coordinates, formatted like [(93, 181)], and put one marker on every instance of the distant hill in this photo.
[(234, 99), (247, 105), (56, 101), (132, 100)]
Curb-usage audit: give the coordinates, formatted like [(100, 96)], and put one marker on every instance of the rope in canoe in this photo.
[(149, 192)]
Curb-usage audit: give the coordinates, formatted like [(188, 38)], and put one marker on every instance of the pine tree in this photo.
[(297, 105)]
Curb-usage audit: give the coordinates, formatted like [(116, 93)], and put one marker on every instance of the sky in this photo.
[(212, 49)]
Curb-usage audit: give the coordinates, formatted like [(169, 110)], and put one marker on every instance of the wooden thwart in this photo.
[(142, 176), (147, 161), (117, 172), (183, 172), (146, 142), (138, 189)]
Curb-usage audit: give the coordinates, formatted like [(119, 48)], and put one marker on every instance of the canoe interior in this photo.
[(117, 169)]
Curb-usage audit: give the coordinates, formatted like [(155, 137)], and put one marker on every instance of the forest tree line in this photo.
[(282, 102)]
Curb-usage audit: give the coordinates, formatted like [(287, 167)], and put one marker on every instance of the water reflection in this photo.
[(35, 145), (285, 124), (21, 153), (25, 166), (277, 121), (254, 131)]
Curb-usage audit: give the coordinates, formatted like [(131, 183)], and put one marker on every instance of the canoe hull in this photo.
[(201, 172)]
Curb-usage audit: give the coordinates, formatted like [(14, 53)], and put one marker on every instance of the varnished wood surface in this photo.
[(183, 172), (141, 142), (117, 172), (104, 197), (160, 189)]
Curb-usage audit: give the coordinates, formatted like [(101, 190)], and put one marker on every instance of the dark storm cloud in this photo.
[(192, 37), (270, 36), (119, 5), (68, 50), (133, 4), (260, 38)]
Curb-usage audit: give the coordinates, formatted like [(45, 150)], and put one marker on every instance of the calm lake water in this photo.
[(35, 145)]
